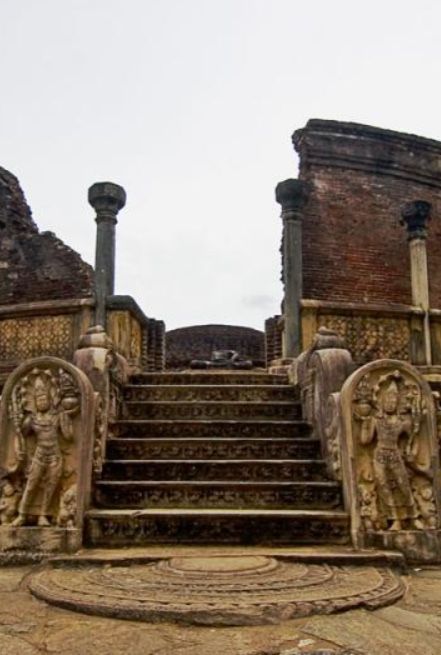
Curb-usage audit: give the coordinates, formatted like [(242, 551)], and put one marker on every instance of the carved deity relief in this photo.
[(391, 431), (44, 430)]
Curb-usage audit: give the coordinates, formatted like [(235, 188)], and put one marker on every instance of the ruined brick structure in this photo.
[(337, 444), (199, 341), (345, 251), (359, 178), (48, 295), (35, 265)]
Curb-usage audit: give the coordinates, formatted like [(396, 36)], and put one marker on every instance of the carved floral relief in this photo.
[(371, 338)]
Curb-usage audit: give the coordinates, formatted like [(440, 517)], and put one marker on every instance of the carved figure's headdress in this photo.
[(392, 389), (41, 387)]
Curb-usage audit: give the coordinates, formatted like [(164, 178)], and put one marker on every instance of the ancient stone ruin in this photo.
[(331, 438), (199, 341)]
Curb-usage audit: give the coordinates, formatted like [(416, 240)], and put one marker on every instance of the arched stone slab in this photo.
[(220, 590), (390, 459), (46, 445)]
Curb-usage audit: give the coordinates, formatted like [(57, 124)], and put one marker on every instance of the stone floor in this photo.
[(411, 626)]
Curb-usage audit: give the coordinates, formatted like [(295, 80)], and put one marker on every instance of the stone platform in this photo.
[(247, 589)]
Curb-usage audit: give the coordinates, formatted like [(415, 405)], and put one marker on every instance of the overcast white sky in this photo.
[(190, 105)]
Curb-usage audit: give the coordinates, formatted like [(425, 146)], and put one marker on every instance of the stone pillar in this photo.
[(291, 195), (107, 199), (415, 216)]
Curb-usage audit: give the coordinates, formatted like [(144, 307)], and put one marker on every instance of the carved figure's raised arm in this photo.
[(368, 433), (66, 425)]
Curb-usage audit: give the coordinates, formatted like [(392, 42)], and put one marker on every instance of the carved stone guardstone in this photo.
[(46, 430), (390, 460)]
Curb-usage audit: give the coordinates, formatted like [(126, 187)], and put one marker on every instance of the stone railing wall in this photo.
[(126, 324), (153, 346), (136, 337), (373, 331), (51, 328), (54, 327), (370, 330)]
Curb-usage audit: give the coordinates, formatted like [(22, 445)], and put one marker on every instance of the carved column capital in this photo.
[(292, 195), (415, 215), (107, 199)]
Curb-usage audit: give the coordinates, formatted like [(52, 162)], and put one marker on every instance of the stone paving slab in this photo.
[(373, 635), (406, 618)]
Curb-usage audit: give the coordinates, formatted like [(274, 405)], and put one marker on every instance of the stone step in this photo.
[(210, 392), (211, 429), (212, 410), (208, 377), (257, 495), (132, 527), (333, 555), (215, 470), (295, 448)]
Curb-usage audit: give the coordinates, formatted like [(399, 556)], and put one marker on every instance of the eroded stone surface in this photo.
[(16, 646), (11, 578), (372, 635), (221, 564)]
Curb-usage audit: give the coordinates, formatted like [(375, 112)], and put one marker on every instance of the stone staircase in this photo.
[(221, 458)]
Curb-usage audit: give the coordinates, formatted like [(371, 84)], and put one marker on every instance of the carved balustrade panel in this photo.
[(320, 373), (107, 372), (125, 332)]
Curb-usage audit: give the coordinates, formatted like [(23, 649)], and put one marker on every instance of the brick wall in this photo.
[(273, 339), (34, 265), (354, 248)]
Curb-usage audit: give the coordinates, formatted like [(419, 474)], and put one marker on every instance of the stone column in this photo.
[(107, 199), (415, 216), (291, 195)]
